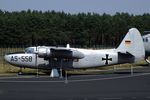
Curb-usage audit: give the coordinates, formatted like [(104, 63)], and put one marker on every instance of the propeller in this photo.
[(36, 55), (34, 42)]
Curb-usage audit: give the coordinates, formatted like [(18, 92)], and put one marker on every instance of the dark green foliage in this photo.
[(58, 28)]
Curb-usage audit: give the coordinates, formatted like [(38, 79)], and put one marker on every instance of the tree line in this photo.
[(32, 28)]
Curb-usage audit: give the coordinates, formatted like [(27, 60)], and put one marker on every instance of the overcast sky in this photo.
[(75, 6)]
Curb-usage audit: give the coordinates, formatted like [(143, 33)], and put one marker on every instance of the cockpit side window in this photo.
[(29, 50), (145, 39)]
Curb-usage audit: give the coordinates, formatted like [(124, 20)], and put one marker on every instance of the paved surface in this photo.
[(122, 86)]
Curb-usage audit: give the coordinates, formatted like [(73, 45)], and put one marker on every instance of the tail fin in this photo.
[(133, 44)]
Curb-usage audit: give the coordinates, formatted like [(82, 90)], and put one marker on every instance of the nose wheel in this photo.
[(20, 71)]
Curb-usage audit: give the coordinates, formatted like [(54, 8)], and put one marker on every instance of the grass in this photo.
[(7, 68)]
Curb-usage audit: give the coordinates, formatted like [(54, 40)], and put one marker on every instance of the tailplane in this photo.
[(133, 44)]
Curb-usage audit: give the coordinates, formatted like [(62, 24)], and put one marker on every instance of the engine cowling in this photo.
[(43, 52)]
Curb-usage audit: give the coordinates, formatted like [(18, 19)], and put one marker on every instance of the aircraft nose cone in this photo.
[(7, 58)]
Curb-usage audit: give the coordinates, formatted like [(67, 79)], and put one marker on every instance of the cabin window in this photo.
[(66, 60), (76, 60)]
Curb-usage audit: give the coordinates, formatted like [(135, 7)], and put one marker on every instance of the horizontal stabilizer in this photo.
[(125, 58)]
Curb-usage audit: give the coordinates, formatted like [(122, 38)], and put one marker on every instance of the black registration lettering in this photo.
[(14, 58), (22, 58), (26, 58)]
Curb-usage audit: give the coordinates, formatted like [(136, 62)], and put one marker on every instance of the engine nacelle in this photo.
[(43, 52)]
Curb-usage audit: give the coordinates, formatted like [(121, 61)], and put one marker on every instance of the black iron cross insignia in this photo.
[(107, 59)]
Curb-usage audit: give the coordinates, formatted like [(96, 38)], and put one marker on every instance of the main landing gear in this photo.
[(58, 72), (54, 73)]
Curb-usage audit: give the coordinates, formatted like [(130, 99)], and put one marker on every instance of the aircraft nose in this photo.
[(7, 58)]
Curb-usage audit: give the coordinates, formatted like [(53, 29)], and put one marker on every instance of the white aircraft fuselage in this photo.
[(92, 58)]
